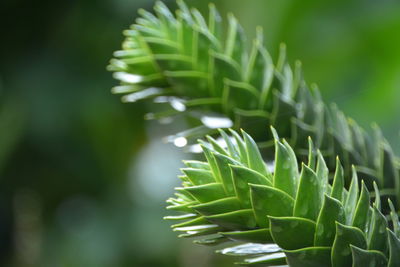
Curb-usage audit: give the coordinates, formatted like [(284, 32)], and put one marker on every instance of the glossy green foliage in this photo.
[(188, 61), (289, 216)]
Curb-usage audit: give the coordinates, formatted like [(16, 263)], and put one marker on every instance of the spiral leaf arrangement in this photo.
[(191, 63), (287, 216)]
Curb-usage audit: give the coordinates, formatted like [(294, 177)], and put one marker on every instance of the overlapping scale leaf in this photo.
[(290, 216)]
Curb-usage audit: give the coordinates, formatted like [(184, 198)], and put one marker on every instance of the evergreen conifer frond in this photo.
[(290, 216), (192, 63)]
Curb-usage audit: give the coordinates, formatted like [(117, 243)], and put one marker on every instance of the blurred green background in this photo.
[(84, 178)]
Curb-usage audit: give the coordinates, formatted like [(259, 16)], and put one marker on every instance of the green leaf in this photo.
[(235, 220), (241, 147), (222, 205), (253, 236), (346, 236), (211, 161), (363, 258), (338, 182), (310, 257), (283, 110), (394, 248), (214, 23), (377, 202), (199, 176), (258, 62), (254, 157), (390, 172), (283, 229), (307, 202), (262, 198), (331, 212), (231, 147), (195, 164), (395, 218), (378, 235), (205, 193), (322, 171), (192, 222), (286, 170), (361, 213), (242, 177), (235, 41), (186, 207), (239, 95), (352, 197), (311, 154), (224, 68), (223, 163), (216, 146)]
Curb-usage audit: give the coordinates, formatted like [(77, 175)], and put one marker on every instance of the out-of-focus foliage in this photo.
[(73, 158)]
